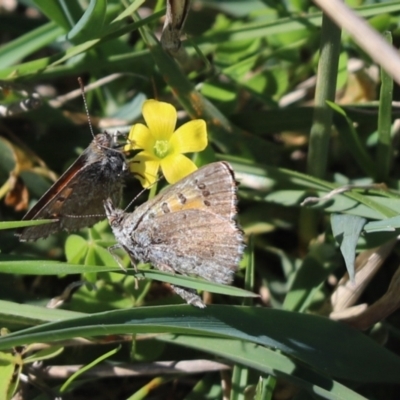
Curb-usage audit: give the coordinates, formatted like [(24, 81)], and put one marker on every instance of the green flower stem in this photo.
[(153, 190), (385, 151)]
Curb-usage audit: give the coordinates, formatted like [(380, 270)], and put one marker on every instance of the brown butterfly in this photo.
[(76, 199), (189, 228)]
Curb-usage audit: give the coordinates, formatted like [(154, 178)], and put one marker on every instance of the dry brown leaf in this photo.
[(361, 86), (13, 190), (379, 310), (18, 195), (367, 265)]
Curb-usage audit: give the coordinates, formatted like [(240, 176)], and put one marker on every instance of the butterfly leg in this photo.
[(189, 295), (119, 262), (111, 250), (165, 268)]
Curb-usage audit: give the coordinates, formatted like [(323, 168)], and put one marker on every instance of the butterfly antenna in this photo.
[(84, 216), (140, 193), (86, 106), (135, 198)]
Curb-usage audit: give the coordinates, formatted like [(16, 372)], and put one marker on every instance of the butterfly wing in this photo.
[(212, 188), (76, 199), (192, 242)]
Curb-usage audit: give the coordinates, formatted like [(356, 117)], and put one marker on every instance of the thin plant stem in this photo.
[(325, 90), (384, 150), (318, 150)]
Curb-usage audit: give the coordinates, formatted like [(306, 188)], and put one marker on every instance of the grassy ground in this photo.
[(304, 109)]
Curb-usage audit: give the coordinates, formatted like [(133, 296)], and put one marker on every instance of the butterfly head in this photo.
[(114, 215)]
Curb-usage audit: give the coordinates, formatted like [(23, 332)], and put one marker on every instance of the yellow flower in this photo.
[(162, 146)]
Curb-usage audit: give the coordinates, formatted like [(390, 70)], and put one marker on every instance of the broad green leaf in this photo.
[(76, 248), (389, 225), (8, 383), (16, 50), (269, 362), (61, 13), (23, 315), (90, 24), (326, 345), (347, 229), (313, 271)]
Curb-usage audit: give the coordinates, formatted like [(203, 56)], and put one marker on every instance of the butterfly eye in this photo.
[(114, 221), (114, 218)]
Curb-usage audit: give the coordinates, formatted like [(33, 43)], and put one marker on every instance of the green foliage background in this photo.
[(244, 60)]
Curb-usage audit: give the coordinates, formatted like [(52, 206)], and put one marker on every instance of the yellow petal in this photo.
[(145, 167), (160, 117), (175, 167), (140, 137), (190, 137)]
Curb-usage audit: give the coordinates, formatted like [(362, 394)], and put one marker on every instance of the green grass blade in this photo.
[(327, 345)]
